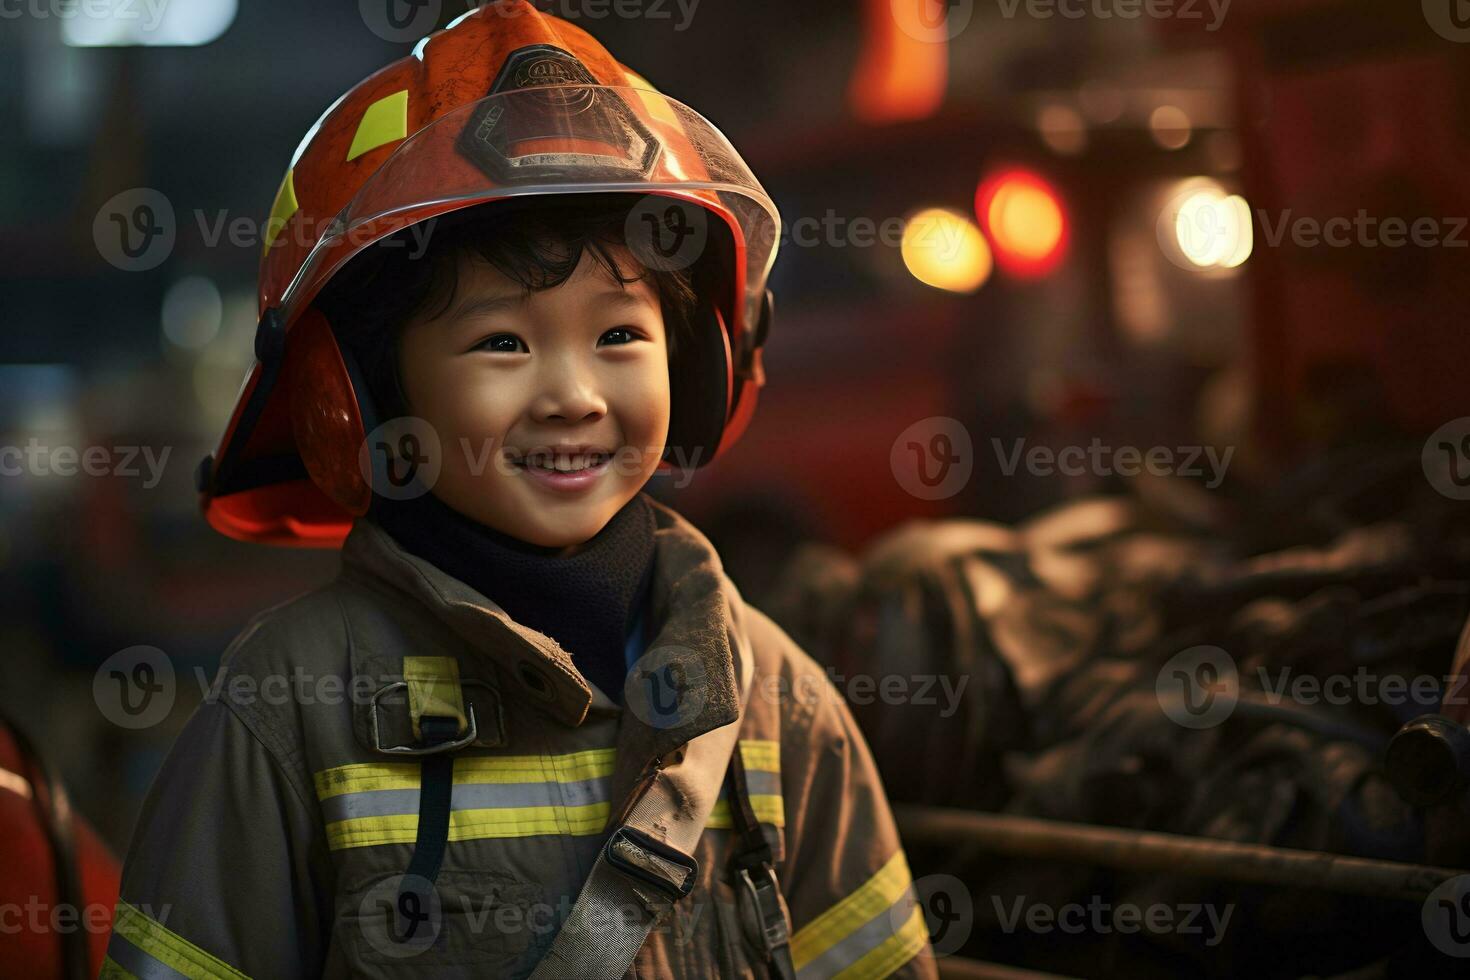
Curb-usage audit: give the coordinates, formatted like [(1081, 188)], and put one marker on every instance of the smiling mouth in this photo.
[(562, 463)]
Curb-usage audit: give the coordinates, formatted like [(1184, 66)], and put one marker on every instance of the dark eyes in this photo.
[(505, 343), (624, 332), (509, 343)]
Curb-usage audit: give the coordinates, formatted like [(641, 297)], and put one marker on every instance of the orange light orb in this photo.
[(1024, 220)]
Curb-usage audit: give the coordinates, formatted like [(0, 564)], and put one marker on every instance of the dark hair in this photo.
[(537, 242)]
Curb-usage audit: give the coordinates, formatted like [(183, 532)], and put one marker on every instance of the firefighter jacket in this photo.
[(274, 841)]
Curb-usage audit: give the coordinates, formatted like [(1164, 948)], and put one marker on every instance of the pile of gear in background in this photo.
[(1355, 569)]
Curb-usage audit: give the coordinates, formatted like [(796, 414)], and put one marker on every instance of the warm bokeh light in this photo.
[(1171, 127), (1213, 230), (945, 249), (1063, 129), (903, 67), (1024, 219)]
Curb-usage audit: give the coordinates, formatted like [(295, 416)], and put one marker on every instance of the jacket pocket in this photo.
[(477, 923)]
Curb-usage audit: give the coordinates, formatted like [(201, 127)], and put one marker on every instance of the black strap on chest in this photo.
[(436, 791), (752, 865), (436, 788)]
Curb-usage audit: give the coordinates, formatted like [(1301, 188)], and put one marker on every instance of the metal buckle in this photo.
[(459, 743), (775, 932), (625, 838)]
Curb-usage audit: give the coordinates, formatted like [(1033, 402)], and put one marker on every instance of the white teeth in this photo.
[(564, 464)]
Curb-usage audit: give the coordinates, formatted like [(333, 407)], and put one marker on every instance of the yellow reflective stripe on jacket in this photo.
[(870, 933), (762, 760), (141, 947), (768, 809), (365, 777), (372, 803), (760, 755)]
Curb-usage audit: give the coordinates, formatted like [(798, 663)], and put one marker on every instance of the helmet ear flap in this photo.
[(331, 410), (699, 391)]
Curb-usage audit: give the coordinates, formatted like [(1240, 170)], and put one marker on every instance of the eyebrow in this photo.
[(611, 295), (485, 304)]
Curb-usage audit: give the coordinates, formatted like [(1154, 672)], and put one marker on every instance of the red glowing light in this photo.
[(1024, 220)]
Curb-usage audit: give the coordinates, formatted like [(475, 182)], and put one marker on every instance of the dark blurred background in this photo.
[(1113, 182)]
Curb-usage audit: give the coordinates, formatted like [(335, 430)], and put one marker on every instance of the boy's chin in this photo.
[(563, 527), (558, 535)]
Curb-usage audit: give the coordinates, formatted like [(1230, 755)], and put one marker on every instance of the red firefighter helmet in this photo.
[(506, 102), (53, 860)]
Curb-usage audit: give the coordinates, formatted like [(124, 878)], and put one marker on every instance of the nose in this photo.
[(568, 392)]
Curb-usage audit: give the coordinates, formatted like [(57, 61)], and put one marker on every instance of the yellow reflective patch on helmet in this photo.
[(281, 210), (636, 80), (656, 104), (385, 121)]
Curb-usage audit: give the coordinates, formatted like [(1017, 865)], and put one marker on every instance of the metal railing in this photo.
[(1139, 850)]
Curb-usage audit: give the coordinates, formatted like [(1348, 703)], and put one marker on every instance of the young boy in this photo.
[(531, 729)]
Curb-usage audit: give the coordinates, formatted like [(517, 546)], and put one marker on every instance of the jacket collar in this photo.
[(693, 618)]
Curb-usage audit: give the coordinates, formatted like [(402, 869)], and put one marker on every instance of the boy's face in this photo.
[(502, 374)]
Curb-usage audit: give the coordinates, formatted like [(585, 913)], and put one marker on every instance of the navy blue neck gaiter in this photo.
[(588, 603)]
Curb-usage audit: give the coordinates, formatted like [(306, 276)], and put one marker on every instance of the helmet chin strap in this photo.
[(697, 406), (750, 375)]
